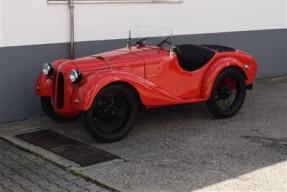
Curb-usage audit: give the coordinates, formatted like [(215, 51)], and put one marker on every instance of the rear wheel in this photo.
[(112, 114), (228, 93), (49, 112)]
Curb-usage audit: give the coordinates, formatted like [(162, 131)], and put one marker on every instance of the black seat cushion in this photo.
[(192, 57)]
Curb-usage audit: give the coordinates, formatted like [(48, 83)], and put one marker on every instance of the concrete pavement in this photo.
[(182, 148)]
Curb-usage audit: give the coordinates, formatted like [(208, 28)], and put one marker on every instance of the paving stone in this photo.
[(83, 190), (33, 188), (81, 182), (55, 188), (18, 188), (21, 171), (7, 183), (93, 188), (42, 171), (62, 182), (25, 183), (70, 177), (52, 177), (35, 178), (51, 167), (2, 189), (44, 183), (24, 172), (17, 178), (72, 187), (60, 172), (2, 177), (8, 172)]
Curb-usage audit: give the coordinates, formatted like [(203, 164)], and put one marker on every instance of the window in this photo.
[(117, 1)]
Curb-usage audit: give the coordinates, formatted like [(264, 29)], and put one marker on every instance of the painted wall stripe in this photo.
[(21, 65)]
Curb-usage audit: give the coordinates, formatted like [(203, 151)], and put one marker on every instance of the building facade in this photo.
[(33, 32)]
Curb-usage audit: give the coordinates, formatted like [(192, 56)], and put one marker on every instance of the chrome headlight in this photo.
[(46, 69), (74, 75)]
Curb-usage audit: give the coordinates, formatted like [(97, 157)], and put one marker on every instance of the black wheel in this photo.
[(112, 114), (228, 93), (49, 112)]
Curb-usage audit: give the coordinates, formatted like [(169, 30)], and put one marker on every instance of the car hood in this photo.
[(125, 57)]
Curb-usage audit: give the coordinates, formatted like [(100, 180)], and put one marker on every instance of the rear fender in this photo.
[(215, 70), (149, 93)]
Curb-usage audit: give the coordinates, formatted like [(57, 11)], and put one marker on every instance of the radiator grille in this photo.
[(60, 91)]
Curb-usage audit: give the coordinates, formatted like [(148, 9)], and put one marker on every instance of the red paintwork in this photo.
[(152, 72)]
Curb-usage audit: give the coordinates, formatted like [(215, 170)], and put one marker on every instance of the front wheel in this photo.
[(112, 114), (228, 93)]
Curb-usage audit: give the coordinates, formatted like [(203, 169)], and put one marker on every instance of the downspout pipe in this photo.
[(72, 28)]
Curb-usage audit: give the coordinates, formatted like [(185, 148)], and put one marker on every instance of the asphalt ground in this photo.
[(183, 148)]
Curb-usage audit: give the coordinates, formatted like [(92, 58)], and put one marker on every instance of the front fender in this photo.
[(43, 86), (149, 93), (215, 70)]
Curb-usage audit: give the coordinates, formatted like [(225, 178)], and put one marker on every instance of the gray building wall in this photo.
[(21, 65)]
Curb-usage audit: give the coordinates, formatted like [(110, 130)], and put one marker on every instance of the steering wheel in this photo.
[(141, 42), (166, 40)]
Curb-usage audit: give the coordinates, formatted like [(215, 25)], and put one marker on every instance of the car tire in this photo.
[(230, 81), (49, 112), (112, 114)]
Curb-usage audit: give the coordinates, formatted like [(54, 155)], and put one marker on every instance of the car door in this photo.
[(163, 70)]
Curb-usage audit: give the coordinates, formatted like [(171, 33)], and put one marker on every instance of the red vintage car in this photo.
[(109, 88)]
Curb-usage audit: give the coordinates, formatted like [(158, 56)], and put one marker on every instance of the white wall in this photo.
[(285, 13), (1, 24), (35, 22)]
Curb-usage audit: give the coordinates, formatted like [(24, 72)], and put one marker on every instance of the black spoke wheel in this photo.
[(112, 114), (228, 93)]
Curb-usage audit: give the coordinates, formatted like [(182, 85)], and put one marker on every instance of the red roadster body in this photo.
[(154, 75)]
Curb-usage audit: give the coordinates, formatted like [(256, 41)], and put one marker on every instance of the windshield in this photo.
[(149, 35)]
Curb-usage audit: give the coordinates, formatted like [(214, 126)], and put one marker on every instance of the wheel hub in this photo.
[(111, 112), (224, 93), (110, 109)]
